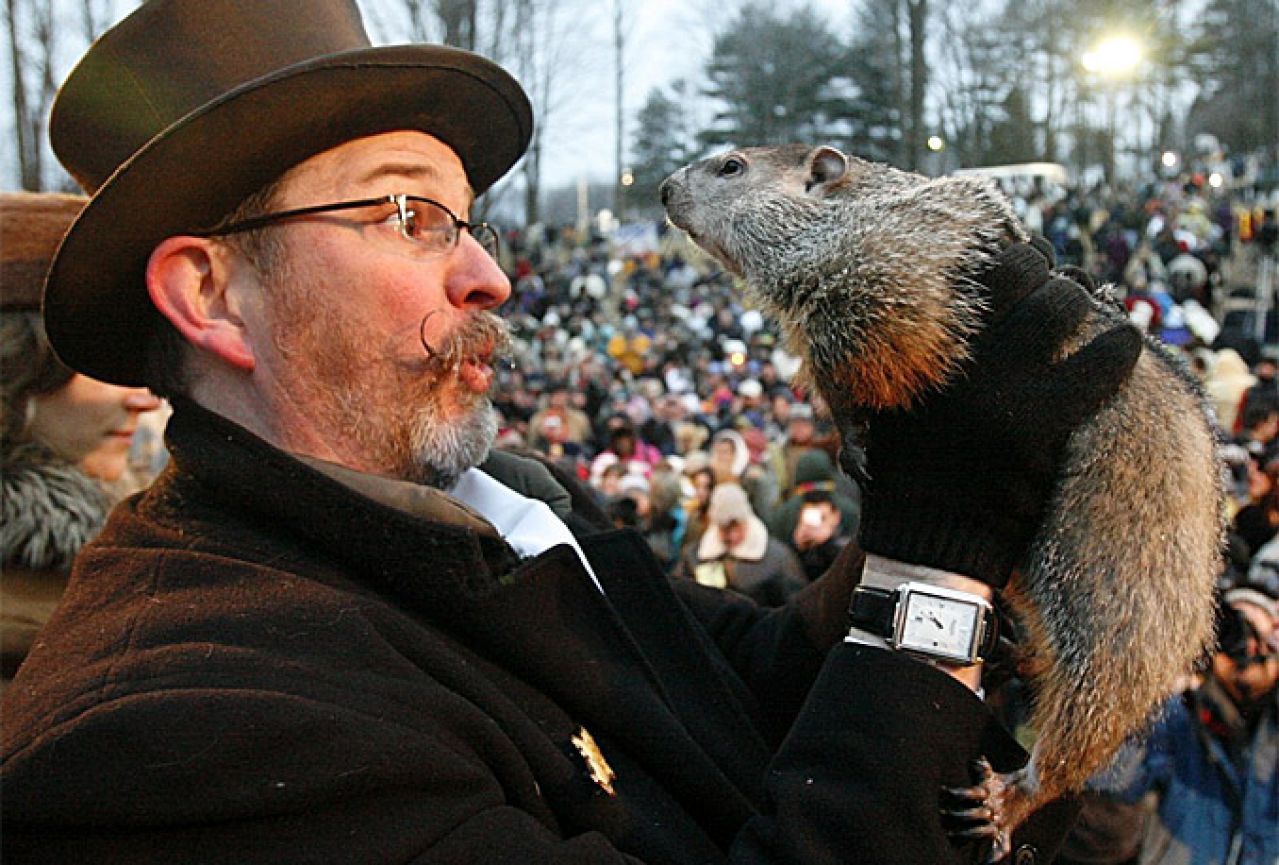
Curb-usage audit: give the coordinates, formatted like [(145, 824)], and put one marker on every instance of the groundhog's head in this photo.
[(747, 206), (864, 266)]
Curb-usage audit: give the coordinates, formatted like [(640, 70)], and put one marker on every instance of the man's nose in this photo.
[(475, 281)]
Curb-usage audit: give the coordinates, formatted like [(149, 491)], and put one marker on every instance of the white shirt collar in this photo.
[(528, 525)]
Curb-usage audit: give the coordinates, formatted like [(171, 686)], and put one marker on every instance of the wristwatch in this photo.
[(931, 621)]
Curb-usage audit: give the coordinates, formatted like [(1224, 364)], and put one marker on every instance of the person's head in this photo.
[(729, 455), (84, 421), (1261, 420), (800, 426), (731, 514), (558, 395), (622, 441), (703, 480), (1247, 658), (318, 280), (1265, 369), (636, 487)]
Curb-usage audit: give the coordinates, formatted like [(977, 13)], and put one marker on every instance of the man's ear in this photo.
[(189, 280)]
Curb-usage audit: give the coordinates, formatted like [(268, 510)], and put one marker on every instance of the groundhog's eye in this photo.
[(731, 167)]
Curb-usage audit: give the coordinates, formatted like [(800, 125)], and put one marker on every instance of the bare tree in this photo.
[(460, 21), (31, 51), (43, 36), (619, 46), (534, 39), (917, 15)]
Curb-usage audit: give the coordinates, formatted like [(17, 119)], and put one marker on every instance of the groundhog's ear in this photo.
[(825, 166)]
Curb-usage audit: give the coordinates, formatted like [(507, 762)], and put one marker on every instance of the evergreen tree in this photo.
[(1012, 138), (1236, 53), (877, 68), (661, 145), (775, 78)]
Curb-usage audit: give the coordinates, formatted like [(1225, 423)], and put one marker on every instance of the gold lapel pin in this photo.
[(601, 773)]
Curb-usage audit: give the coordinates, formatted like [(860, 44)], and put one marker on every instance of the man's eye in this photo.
[(410, 224)]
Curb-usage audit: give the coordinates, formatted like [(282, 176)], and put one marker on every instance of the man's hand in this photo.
[(961, 481)]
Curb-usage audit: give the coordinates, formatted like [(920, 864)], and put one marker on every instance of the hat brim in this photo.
[(97, 311)]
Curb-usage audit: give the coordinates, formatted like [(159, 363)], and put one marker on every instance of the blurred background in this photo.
[(1103, 91)]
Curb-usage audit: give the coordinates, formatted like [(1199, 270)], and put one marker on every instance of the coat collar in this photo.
[(218, 463)]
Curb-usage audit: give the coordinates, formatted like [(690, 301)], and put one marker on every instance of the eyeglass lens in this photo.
[(436, 229)]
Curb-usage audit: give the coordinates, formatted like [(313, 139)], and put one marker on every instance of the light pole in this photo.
[(936, 149), (1112, 60)]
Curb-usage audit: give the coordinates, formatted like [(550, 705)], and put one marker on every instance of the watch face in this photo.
[(938, 625)]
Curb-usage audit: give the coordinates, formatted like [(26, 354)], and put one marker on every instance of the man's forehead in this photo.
[(364, 163)]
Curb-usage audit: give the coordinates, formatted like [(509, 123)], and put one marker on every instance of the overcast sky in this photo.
[(666, 40)]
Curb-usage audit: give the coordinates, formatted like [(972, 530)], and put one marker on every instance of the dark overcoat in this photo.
[(255, 663)]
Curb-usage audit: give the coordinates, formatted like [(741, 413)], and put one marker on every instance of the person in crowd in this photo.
[(660, 429), (1263, 391), (554, 440), (64, 437), (697, 497), (730, 461), (340, 627), (1257, 521), (801, 437), (574, 430), (624, 446), (629, 506), (1259, 427), (1211, 757), (737, 552), (664, 522), (814, 473), (1227, 382), (817, 537)]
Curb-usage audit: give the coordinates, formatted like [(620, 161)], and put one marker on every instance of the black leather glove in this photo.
[(961, 481)]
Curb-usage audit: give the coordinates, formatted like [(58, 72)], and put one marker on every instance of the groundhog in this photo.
[(867, 270)]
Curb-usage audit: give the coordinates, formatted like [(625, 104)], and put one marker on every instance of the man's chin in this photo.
[(448, 446)]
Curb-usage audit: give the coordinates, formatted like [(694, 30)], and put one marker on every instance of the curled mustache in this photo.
[(483, 335)]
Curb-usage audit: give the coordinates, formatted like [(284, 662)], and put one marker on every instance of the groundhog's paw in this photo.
[(988, 811)]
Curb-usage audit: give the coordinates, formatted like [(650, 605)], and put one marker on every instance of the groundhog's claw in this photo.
[(978, 812)]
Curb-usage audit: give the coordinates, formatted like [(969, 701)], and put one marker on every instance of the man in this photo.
[(323, 635)]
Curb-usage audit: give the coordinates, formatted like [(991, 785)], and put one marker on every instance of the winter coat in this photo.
[(256, 663), (49, 509), (1212, 809)]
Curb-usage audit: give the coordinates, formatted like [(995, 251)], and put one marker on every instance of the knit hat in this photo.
[(728, 504), (814, 466), (31, 227)]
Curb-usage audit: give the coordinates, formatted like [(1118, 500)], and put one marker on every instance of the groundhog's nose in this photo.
[(665, 190)]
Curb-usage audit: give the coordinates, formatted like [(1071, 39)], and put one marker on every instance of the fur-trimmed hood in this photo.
[(49, 509)]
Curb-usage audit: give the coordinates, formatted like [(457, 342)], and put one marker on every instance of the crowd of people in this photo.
[(296, 615)]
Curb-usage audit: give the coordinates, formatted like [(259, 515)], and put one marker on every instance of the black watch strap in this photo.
[(872, 610)]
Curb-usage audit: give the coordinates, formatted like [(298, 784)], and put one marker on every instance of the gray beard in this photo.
[(443, 451)]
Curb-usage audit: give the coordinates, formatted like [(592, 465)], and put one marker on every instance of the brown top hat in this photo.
[(31, 227), (186, 107)]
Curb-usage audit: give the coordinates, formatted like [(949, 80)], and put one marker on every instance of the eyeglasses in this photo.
[(431, 227)]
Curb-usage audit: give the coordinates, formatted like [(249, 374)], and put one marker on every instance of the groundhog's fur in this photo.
[(865, 268)]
